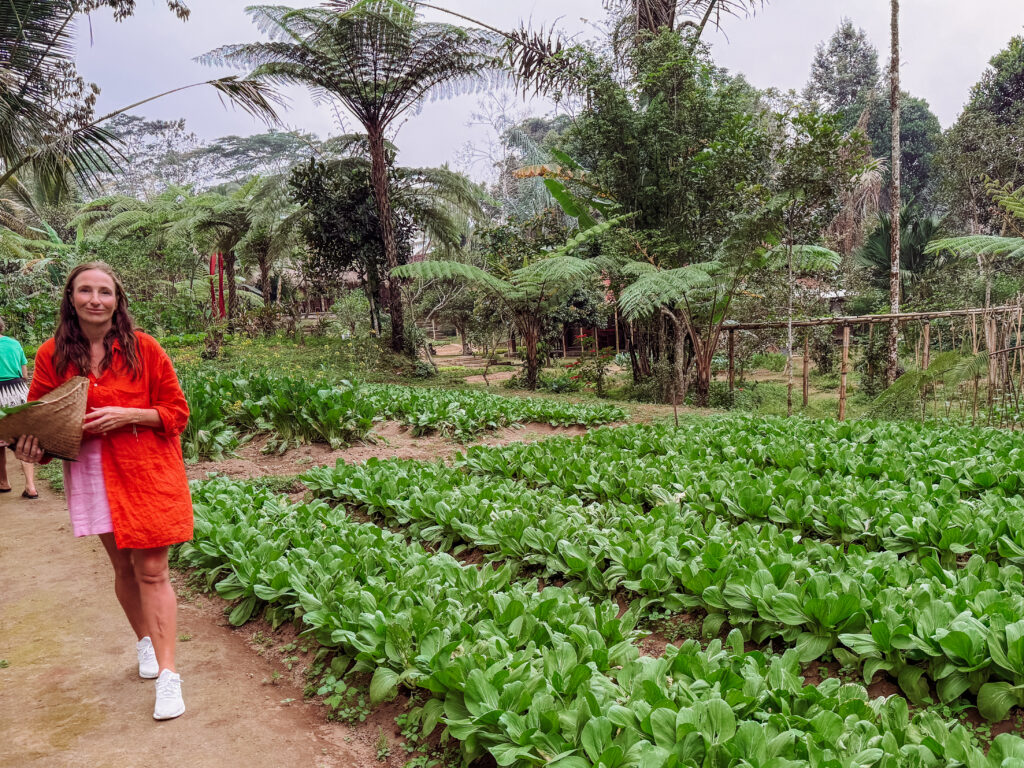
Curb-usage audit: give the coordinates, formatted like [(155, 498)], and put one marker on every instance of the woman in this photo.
[(14, 391), (128, 485)]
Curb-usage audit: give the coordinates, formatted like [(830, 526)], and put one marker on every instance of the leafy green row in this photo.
[(972, 460), (873, 610), (464, 413), (226, 408), (546, 677), (911, 500)]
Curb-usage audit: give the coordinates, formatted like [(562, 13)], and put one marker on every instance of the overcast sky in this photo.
[(946, 46)]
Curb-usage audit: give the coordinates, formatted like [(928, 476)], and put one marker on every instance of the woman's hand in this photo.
[(27, 449), (109, 418)]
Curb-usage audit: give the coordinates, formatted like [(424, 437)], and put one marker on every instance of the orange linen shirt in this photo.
[(143, 468)]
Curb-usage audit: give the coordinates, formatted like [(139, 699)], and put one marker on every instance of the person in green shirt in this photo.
[(14, 391)]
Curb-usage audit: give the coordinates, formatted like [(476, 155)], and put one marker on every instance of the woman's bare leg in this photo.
[(126, 586), (4, 484), (30, 477), (159, 605)]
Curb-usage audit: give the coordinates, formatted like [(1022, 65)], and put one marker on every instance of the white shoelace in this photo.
[(168, 687)]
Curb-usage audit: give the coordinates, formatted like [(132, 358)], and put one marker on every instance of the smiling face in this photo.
[(94, 297)]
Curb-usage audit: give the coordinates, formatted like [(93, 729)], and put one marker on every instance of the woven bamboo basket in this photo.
[(55, 419)]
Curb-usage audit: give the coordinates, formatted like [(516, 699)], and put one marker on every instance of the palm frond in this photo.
[(557, 269), (453, 270), (978, 245), (665, 288), (806, 258)]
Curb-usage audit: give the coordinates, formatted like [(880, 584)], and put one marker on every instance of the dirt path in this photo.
[(69, 691)]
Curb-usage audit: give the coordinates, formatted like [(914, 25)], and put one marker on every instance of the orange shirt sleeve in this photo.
[(165, 392), (44, 377)]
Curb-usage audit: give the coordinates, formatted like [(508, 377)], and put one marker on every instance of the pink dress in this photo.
[(86, 492)]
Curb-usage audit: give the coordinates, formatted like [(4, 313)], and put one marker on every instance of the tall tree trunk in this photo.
[(264, 265), (894, 193), (789, 326), (530, 330), (382, 196)]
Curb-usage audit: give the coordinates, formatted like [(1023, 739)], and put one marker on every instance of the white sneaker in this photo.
[(148, 667), (169, 703)]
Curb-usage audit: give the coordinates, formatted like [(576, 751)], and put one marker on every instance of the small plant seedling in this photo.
[(184, 637), (4, 663), (382, 745)]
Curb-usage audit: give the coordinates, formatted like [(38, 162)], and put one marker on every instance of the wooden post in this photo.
[(927, 339), (565, 344), (807, 365), (732, 359), (871, 366), (616, 330), (843, 371)]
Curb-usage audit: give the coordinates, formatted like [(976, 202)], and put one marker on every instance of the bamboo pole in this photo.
[(926, 356), (732, 359), (843, 371), (867, 319), (871, 358), (807, 360)]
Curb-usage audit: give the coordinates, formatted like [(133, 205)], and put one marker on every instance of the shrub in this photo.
[(768, 361)]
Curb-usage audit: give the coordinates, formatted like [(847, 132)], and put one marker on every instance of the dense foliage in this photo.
[(542, 676)]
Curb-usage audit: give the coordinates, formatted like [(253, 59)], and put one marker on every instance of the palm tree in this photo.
[(636, 17), (252, 219), (380, 62), (986, 249), (917, 231), (36, 130), (528, 293)]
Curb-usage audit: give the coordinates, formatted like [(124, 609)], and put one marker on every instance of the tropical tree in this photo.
[(985, 142), (46, 118), (526, 294), (894, 193), (916, 260), (843, 71), (988, 250), (650, 16), (341, 224), (251, 219), (379, 61)]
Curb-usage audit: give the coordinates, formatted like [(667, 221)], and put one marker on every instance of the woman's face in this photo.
[(94, 297)]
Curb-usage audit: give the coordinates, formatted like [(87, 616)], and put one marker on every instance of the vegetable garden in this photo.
[(229, 408), (894, 549)]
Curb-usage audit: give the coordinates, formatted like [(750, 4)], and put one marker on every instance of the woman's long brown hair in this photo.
[(70, 345)]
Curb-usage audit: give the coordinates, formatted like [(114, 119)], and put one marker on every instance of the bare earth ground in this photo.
[(389, 439)]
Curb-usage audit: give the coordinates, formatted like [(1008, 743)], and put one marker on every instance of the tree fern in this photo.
[(665, 288), (806, 258), (979, 246)]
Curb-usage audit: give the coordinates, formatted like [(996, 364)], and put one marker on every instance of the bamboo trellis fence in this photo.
[(1001, 327)]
